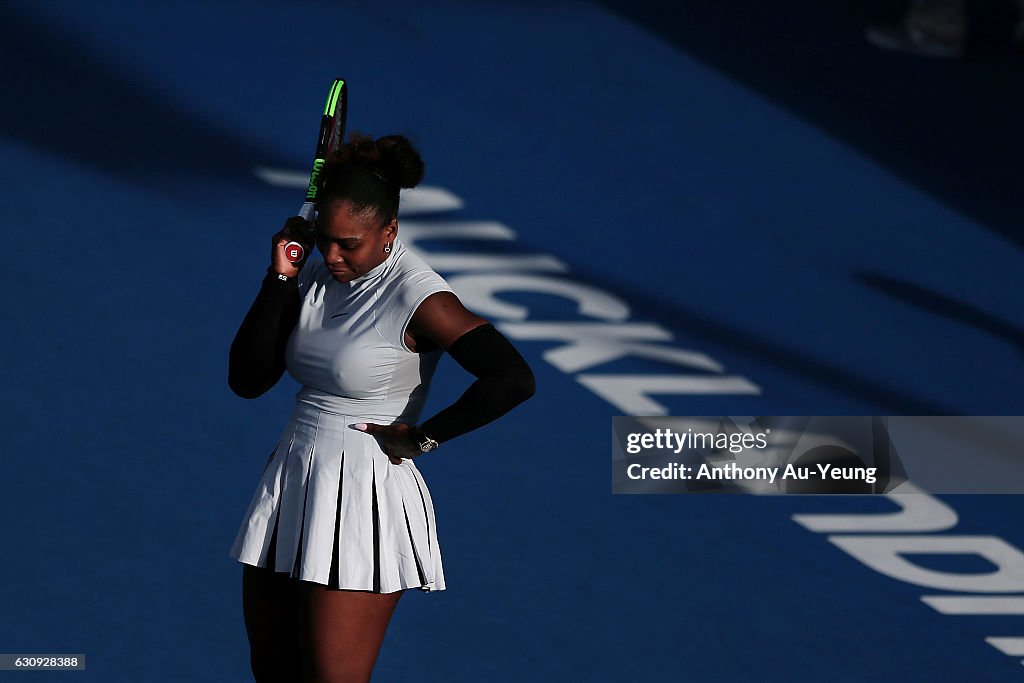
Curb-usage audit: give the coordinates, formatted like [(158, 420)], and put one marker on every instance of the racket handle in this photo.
[(293, 251)]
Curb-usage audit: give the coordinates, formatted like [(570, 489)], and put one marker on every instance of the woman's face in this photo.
[(352, 243)]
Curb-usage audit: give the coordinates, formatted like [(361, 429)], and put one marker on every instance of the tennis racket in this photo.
[(332, 134)]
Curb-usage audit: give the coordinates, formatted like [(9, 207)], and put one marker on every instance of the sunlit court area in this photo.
[(689, 218)]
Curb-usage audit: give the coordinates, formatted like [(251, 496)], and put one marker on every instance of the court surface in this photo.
[(795, 223)]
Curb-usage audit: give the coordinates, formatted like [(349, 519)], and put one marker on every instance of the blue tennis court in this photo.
[(721, 208)]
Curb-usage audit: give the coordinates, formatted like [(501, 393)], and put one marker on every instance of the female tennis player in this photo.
[(342, 522)]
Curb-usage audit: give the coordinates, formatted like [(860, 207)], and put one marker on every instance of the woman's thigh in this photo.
[(343, 631), (270, 604)]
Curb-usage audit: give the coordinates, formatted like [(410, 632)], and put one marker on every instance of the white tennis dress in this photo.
[(331, 508)]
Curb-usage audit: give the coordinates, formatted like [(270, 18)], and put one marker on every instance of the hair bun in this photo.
[(399, 161), (391, 157), (369, 173)]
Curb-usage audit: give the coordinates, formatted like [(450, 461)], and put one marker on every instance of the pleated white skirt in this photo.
[(332, 509)]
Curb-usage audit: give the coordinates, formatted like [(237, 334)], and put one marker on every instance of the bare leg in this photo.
[(271, 608), (343, 632)]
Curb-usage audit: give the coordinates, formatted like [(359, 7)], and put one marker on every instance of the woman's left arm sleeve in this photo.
[(503, 381)]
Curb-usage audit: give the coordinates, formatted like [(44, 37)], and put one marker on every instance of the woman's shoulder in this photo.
[(411, 268), (413, 279)]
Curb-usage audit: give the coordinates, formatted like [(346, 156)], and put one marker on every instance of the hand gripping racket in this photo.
[(332, 134)]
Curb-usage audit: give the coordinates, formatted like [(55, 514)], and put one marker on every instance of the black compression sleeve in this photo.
[(256, 359), (504, 380)]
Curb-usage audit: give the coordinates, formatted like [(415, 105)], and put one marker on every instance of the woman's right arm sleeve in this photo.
[(256, 359)]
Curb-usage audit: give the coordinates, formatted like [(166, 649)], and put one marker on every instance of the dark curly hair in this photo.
[(369, 173)]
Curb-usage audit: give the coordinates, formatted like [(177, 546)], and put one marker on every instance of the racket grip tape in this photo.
[(293, 251)]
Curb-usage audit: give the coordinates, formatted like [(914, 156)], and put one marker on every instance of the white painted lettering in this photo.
[(885, 554), (413, 233), (596, 343), (478, 294), (973, 604), (919, 512), (631, 393), (1008, 646)]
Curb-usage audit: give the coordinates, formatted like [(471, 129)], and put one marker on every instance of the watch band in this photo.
[(278, 276), (425, 443)]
